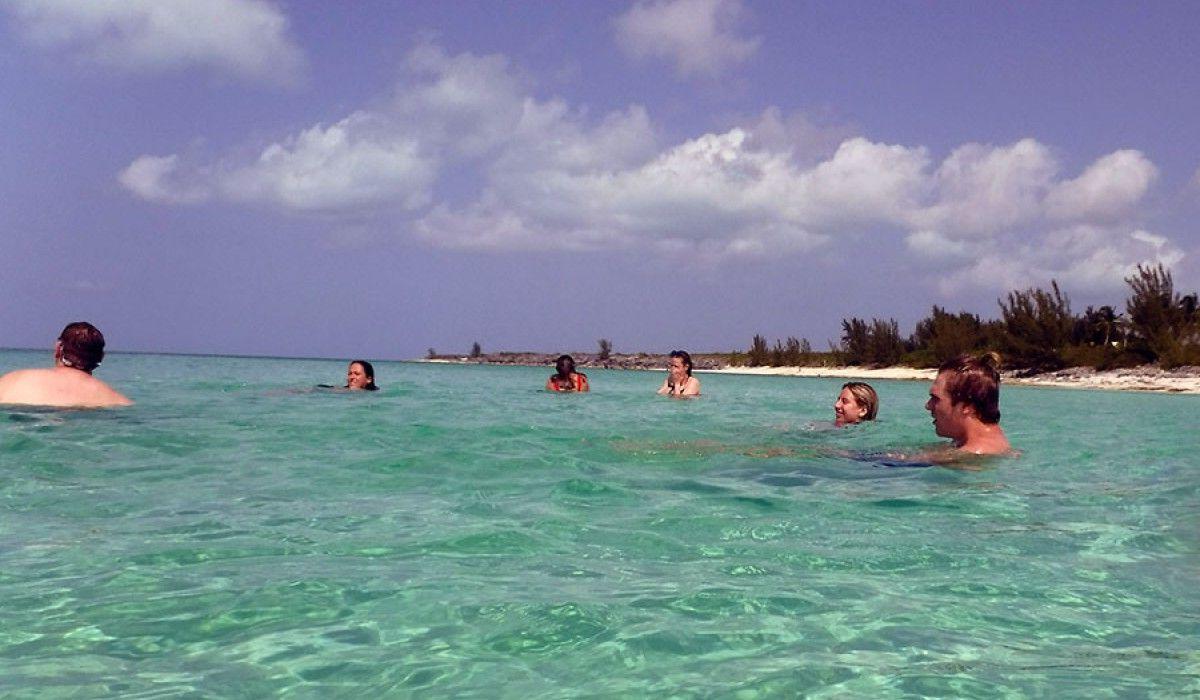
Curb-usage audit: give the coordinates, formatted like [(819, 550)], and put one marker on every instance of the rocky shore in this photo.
[(639, 360)]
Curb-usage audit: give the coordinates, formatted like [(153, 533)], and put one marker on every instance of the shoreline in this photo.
[(1147, 378), (1152, 379)]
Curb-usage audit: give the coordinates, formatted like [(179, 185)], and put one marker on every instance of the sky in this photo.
[(377, 178)]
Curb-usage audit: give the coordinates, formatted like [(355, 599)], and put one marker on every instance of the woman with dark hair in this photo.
[(565, 377), (360, 376), (858, 402), (679, 381)]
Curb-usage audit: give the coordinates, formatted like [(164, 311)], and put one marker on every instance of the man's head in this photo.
[(966, 388), (80, 345), (564, 365)]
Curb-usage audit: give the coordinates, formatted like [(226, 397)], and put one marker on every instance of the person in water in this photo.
[(856, 403), (565, 377), (77, 352), (679, 381), (360, 376), (964, 402)]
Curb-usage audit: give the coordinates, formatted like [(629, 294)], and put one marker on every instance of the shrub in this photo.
[(1037, 327), (1161, 322)]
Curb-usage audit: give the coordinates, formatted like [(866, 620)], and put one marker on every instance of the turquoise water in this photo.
[(462, 533)]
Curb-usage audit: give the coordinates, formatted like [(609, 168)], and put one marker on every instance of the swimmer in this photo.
[(964, 403), (858, 402), (360, 376), (77, 352), (565, 377), (679, 381)]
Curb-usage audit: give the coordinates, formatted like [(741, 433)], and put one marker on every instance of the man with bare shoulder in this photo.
[(70, 383), (965, 404)]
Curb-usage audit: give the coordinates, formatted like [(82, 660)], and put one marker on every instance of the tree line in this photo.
[(1036, 331)]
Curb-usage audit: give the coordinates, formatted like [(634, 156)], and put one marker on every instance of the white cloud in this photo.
[(980, 190), (245, 38), (932, 245), (349, 165), (1082, 258), (698, 36), (463, 156), (1108, 189), (153, 178)]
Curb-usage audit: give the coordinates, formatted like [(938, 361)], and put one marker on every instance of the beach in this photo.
[(1182, 380)]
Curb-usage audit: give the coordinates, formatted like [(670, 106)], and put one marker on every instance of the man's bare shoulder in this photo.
[(53, 387), (21, 377)]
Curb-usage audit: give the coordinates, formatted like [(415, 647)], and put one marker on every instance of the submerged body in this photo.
[(60, 386), (78, 351), (679, 381), (360, 376), (856, 403), (964, 402), (565, 378)]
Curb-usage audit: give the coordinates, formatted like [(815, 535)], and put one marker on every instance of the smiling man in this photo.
[(965, 404)]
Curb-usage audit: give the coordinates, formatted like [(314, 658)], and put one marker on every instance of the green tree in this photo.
[(807, 356), (942, 336), (1100, 326), (777, 354), (793, 354), (874, 343), (1162, 323), (476, 350), (759, 354), (856, 341), (605, 349), (1037, 325), (884, 346)]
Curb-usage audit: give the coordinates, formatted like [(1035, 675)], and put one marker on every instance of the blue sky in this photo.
[(376, 178)]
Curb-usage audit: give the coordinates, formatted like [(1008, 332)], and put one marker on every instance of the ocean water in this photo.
[(463, 533)]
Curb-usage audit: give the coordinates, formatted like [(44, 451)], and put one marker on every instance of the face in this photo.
[(356, 377), (677, 368), (564, 368), (847, 410), (948, 419)]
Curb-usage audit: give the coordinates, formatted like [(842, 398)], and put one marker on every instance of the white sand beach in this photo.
[(1183, 380)]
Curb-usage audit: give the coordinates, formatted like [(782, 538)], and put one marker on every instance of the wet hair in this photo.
[(687, 359), (865, 396), (369, 371), (82, 346), (975, 380), (570, 362)]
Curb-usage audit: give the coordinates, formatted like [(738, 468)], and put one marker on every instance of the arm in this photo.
[(581, 383), (550, 385), (691, 388), (666, 387)]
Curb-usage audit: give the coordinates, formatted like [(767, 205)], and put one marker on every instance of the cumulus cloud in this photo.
[(1084, 258), (248, 39), (1109, 188), (699, 36), (352, 164), (154, 178), (463, 156)]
